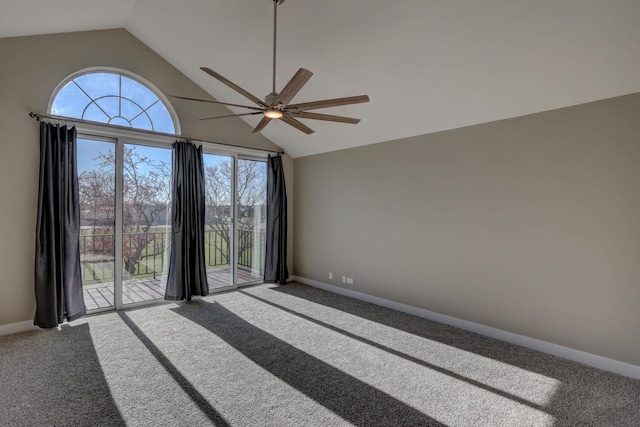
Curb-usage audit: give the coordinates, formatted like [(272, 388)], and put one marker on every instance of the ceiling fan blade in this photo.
[(265, 121), (233, 86), (216, 102), (232, 115), (329, 103), (296, 124), (299, 79), (327, 117)]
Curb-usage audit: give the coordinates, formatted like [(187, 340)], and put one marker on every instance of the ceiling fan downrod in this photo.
[(273, 95)]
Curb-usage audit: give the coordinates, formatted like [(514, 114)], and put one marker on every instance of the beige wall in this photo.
[(30, 69), (530, 225)]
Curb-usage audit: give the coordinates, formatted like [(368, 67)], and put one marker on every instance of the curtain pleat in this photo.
[(58, 282), (187, 271), (275, 266)]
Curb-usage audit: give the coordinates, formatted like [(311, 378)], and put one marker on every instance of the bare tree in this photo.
[(97, 194), (146, 206), (146, 199)]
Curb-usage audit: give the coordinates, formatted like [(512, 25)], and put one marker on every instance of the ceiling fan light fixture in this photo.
[(273, 114)]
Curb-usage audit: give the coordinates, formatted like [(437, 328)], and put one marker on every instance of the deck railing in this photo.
[(147, 254)]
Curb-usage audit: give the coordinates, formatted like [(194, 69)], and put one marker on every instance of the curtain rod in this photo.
[(39, 117)]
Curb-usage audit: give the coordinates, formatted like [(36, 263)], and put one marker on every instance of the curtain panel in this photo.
[(275, 265), (187, 270), (58, 282)]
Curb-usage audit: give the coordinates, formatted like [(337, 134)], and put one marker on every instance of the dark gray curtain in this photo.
[(58, 283), (275, 265), (187, 270)]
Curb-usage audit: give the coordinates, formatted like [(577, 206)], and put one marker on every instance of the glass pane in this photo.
[(162, 121), (138, 93), (218, 234), (70, 101), (129, 110), (96, 182), (110, 105), (142, 122), (146, 222), (99, 84), (119, 121), (94, 113), (252, 196)]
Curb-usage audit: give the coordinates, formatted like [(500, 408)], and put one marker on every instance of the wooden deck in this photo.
[(149, 289)]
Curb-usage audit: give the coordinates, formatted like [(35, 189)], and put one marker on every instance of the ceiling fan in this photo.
[(277, 105)]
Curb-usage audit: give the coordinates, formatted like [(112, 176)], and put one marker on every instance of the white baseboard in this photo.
[(590, 359), (13, 328)]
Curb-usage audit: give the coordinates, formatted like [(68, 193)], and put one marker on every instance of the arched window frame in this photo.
[(150, 86)]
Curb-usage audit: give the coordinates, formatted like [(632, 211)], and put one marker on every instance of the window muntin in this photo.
[(115, 98)]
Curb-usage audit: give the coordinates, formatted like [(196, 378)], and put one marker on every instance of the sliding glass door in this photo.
[(96, 185), (125, 201), (125, 198), (235, 219), (252, 219), (219, 230)]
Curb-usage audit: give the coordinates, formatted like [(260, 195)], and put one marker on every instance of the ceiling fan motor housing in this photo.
[(271, 98)]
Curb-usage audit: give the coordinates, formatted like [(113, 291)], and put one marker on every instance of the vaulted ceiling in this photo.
[(427, 65)]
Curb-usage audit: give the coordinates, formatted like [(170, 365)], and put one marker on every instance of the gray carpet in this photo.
[(293, 356)]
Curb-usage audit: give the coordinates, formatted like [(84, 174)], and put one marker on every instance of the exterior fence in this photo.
[(147, 254)]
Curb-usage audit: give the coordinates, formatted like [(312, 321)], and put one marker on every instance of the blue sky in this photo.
[(113, 98), (89, 151)]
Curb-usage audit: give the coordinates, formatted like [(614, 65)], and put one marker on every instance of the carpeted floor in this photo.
[(293, 356)]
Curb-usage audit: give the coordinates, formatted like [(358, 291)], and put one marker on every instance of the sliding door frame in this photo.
[(120, 137), (237, 204), (233, 253), (233, 212)]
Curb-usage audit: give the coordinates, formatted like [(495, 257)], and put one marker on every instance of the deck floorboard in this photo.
[(100, 296)]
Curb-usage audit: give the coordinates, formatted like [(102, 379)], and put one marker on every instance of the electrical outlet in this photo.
[(350, 280), (330, 275), (344, 279)]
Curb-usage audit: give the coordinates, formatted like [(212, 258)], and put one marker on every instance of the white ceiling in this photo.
[(427, 65)]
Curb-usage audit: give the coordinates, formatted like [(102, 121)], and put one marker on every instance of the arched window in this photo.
[(115, 97)]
